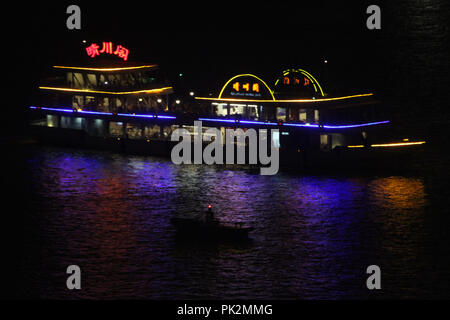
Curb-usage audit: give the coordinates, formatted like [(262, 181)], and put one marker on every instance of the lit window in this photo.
[(316, 116), (324, 140), (302, 115)]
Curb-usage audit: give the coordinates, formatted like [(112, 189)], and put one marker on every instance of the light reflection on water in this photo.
[(314, 236)]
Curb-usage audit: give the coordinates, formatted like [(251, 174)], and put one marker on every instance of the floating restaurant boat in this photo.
[(127, 106)]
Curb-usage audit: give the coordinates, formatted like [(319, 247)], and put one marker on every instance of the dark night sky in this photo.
[(210, 42), (207, 43)]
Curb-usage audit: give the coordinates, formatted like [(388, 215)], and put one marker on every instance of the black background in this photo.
[(210, 42)]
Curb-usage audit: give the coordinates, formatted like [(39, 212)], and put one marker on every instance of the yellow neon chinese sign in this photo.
[(255, 86)]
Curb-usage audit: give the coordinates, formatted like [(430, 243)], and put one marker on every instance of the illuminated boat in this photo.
[(126, 106), (316, 130)]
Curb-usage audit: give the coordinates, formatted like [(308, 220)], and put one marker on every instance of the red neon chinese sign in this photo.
[(122, 52)]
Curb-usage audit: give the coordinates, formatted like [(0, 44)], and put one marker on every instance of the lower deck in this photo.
[(299, 147)]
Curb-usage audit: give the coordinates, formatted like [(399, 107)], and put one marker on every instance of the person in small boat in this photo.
[(209, 217)]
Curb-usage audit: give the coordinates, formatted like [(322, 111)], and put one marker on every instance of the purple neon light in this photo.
[(51, 109), (304, 125), (237, 121), (104, 113), (218, 120), (89, 112), (356, 125), (301, 125), (166, 117), (136, 115), (258, 122)]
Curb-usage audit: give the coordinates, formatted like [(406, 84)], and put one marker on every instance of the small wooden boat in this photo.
[(210, 228)]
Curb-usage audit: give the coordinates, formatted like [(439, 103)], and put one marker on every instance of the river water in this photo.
[(314, 236)]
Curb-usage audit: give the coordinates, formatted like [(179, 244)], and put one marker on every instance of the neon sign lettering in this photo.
[(246, 86), (92, 50), (122, 52), (107, 48), (296, 81)]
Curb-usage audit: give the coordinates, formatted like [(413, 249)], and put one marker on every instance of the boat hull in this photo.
[(209, 230)]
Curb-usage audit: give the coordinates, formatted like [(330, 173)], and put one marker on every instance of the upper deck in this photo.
[(138, 79)]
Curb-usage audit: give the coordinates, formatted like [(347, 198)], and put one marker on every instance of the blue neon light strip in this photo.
[(258, 122), (166, 117), (355, 125), (52, 109), (136, 115), (304, 125), (105, 113), (237, 121), (91, 112), (217, 120)]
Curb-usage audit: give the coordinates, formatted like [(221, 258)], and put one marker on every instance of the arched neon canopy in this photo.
[(316, 84), (246, 75)]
